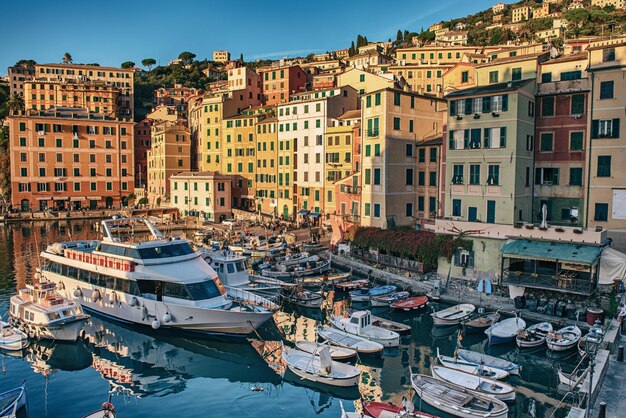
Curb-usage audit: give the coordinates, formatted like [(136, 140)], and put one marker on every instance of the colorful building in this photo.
[(205, 194), (281, 82), (143, 141)]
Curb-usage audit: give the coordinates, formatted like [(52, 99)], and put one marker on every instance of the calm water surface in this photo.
[(162, 374)]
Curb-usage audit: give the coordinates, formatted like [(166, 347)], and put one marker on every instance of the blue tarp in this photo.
[(303, 212), (314, 215)]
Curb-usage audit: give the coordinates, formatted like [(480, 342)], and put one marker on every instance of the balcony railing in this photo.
[(372, 133), (569, 282), (350, 189), (351, 218)]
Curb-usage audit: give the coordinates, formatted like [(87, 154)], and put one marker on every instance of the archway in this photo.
[(25, 205), (109, 202)]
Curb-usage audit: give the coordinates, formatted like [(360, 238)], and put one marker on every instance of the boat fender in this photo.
[(37, 276), (61, 286), (77, 292), (144, 313), (134, 301), (113, 298), (108, 407), (156, 324), (167, 317), (95, 295), (208, 259)]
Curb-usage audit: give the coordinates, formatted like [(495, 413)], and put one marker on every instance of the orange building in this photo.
[(176, 97), (69, 158), (281, 82)]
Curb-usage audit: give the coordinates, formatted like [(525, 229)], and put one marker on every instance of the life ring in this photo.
[(108, 406)]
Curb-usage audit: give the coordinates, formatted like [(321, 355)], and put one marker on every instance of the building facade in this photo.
[(205, 194)]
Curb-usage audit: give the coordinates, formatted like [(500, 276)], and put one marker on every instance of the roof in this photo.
[(351, 114), (492, 88), (80, 66), (551, 251), (516, 58), (565, 58)]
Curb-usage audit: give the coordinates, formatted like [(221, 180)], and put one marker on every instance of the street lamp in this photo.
[(592, 343)]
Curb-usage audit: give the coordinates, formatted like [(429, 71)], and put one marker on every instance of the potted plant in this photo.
[(578, 231)]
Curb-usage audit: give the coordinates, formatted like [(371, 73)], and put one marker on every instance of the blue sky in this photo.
[(110, 33)]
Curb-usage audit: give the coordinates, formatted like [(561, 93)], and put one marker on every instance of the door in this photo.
[(285, 212), (25, 205), (109, 202), (472, 214), (491, 211)]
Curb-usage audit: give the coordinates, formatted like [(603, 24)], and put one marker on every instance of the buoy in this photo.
[(156, 324), (167, 317), (78, 293), (95, 295)]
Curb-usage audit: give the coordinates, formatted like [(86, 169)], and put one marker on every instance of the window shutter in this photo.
[(486, 104), (595, 128), (451, 141), (615, 128), (466, 134), (487, 132), (503, 137), (470, 261), (505, 102), (452, 107), (468, 106), (457, 258)]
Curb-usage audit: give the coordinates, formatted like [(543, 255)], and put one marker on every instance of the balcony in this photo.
[(579, 283), (566, 86), (350, 189)]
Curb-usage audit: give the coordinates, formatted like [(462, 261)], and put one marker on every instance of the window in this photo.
[(456, 207), (376, 150), (377, 99), (421, 155), (421, 178), (606, 89), (571, 75), (546, 77), (605, 128), (409, 208), (601, 212), (475, 139), (494, 175), (547, 106), (604, 166), (547, 176), (474, 174), (578, 104), (409, 177), (516, 74), (420, 203), (575, 176), (411, 125), (368, 101), (396, 99), (433, 155), (368, 175), (367, 209), (432, 178), (493, 77), (464, 76), (377, 176), (576, 141), (457, 176), (531, 109), (396, 124), (546, 142), (376, 210), (409, 150), (608, 55)]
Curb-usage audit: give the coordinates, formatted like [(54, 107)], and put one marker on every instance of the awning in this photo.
[(59, 198), (43, 198), (303, 212), (78, 198), (551, 251), (314, 215), (94, 197)]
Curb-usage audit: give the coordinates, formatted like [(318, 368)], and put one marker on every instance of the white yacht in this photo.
[(42, 313), (155, 282)]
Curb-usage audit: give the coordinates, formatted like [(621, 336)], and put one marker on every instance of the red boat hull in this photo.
[(410, 303), (374, 409), (353, 285)]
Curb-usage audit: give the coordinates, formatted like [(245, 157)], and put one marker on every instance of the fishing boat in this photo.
[(364, 295), (321, 368), (336, 352), (467, 367), (453, 315), (534, 335), (563, 339), (480, 384), (572, 380), (456, 400), (481, 359), (42, 313), (106, 411), (351, 285), (312, 247), (150, 281), (309, 269), (479, 323), (303, 298), (505, 331), (346, 414), (11, 401), (343, 339), (295, 259), (391, 325), (321, 281), (11, 338), (360, 323), (386, 410), (410, 304), (386, 300)]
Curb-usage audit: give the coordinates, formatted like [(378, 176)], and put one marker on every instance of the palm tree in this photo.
[(67, 58), (15, 103)]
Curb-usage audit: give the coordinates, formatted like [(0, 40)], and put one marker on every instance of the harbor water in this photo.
[(161, 374)]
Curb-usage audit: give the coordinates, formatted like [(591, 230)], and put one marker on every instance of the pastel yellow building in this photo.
[(513, 68), (365, 81), (521, 14), (461, 76), (338, 161), (267, 189), (221, 56)]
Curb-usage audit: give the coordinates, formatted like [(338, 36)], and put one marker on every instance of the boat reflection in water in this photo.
[(147, 365), (48, 357)]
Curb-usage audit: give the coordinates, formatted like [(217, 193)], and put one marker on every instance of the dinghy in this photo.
[(386, 410), (351, 285), (360, 323), (391, 325), (456, 400), (11, 401), (345, 414), (321, 281), (534, 335), (321, 369), (11, 338), (364, 295), (479, 384), (479, 323), (563, 339), (304, 298), (336, 352), (453, 315), (572, 379), (386, 300), (471, 368), (107, 411), (505, 331), (481, 359), (410, 304), (343, 339)]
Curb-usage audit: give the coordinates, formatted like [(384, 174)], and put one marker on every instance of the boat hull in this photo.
[(343, 383), (475, 383), (18, 403), (530, 344)]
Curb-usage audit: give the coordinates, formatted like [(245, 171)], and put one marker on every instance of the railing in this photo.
[(372, 132), (350, 189), (560, 283)]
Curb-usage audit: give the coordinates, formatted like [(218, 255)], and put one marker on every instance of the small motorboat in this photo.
[(479, 323), (481, 359), (386, 410), (295, 259), (386, 300), (360, 323), (410, 304), (11, 338), (453, 315), (304, 298), (11, 401), (351, 285), (107, 411), (572, 380), (391, 325), (364, 295), (479, 384), (534, 335), (354, 342), (456, 400), (321, 368), (336, 352), (471, 368), (505, 331), (312, 247), (563, 339)]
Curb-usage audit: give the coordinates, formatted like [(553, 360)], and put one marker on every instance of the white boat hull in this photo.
[(15, 339), (344, 383), (392, 340), (479, 384)]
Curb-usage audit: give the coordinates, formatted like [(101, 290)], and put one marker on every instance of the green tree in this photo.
[(186, 57), (128, 64), (148, 62), (352, 49), (25, 63), (241, 58), (67, 58), (399, 36)]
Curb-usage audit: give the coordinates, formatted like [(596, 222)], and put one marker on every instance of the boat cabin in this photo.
[(361, 319)]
